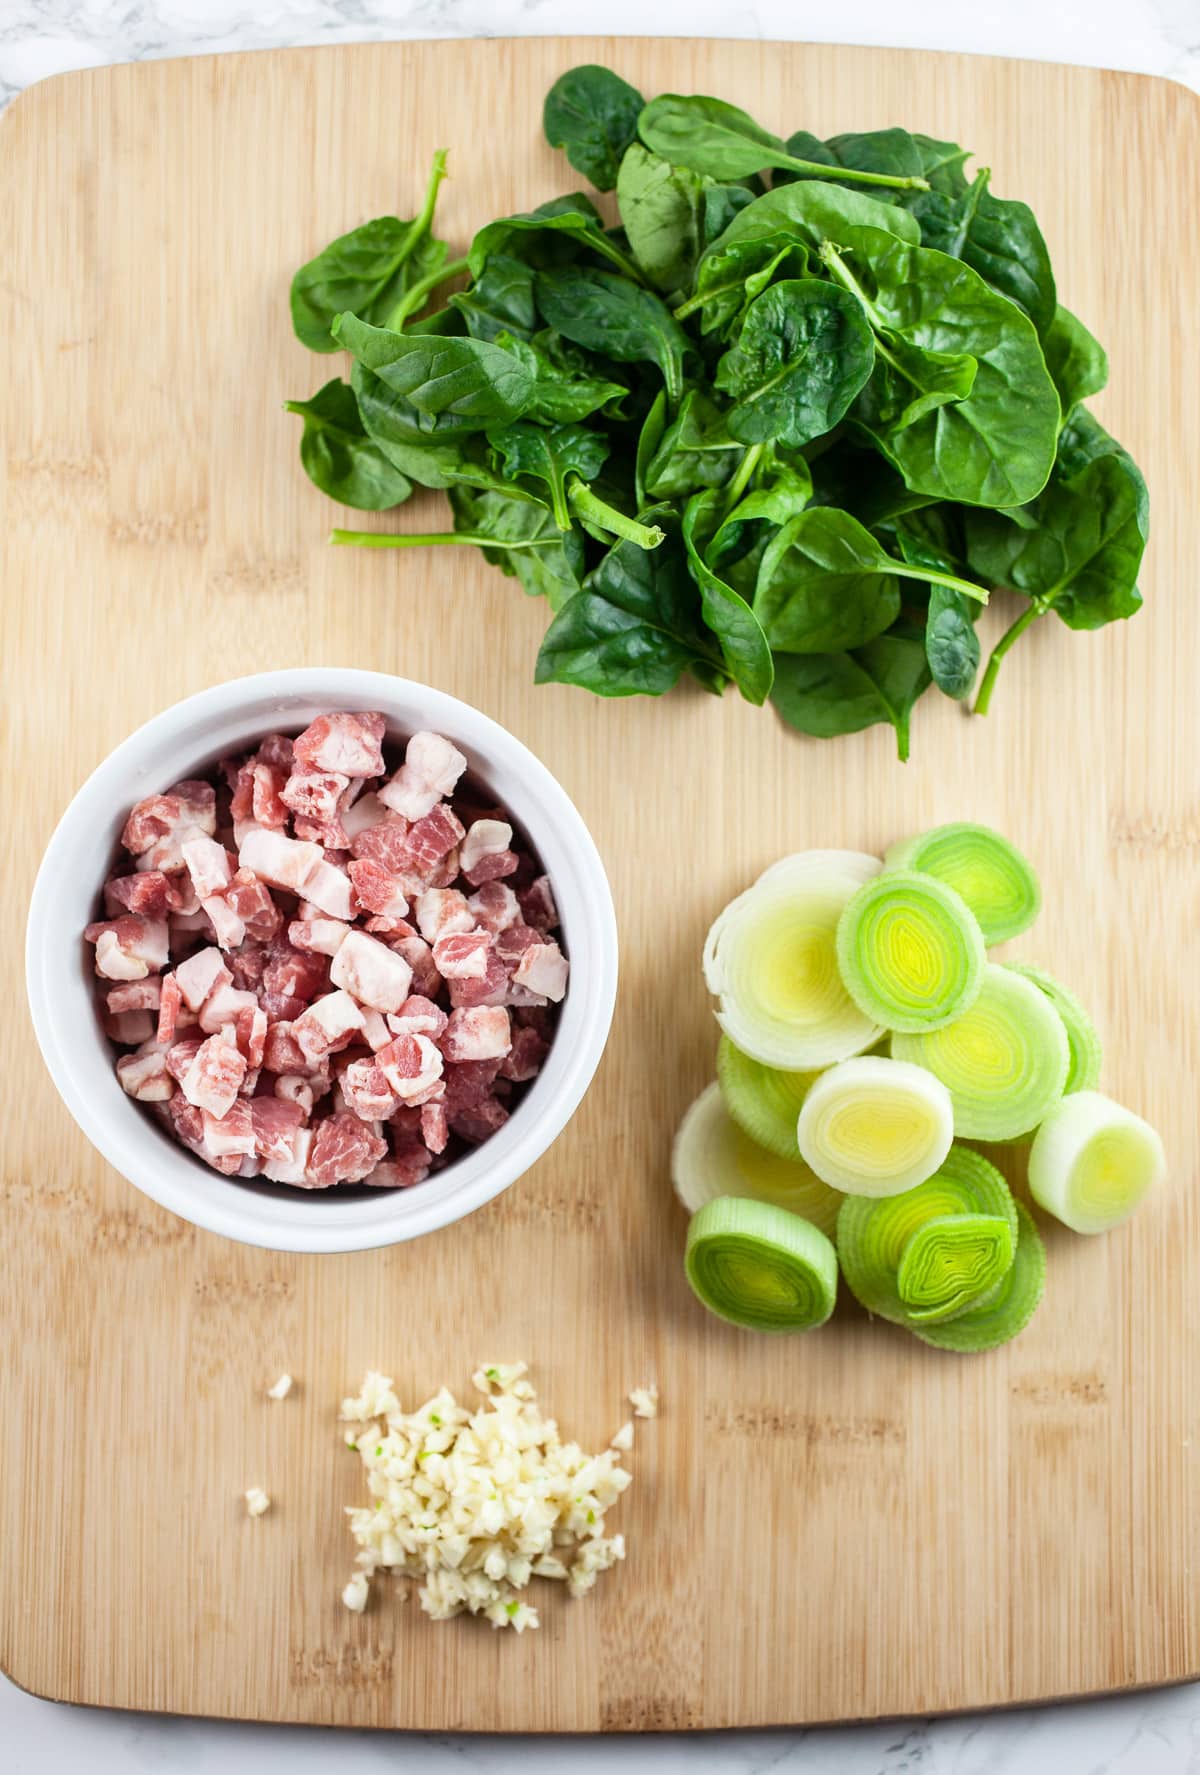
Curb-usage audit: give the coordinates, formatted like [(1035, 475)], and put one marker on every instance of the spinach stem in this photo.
[(602, 244), (843, 274), (414, 297), (745, 474), (968, 589), (387, 539), (1029, 615), (597, 511), (697, 301), (897, 181)]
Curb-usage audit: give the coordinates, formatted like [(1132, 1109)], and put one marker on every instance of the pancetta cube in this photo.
[(213, 1079), (320, 936), (376, 1033), (367, 1092), (384, 842), (431, 769), (294, 1168), (371, 972), (524, 1059), (349, 743), (280, 861), (376, 889), (170, 1010), (291, 1088), (130, 1028), (418, 1016), (293, 973), (181, 1053), (251, 900), (222, 1006), (144, 1075), (231, 1133), (412, 1066), (152, 895), (491, 989), (201, 974), (282, 1053), (208, 865), (275, 1121), (429, 842), (543, 969), (135, 995), (435, 1127), (366, 811), (130, 947), (441, 912), (416, 951), (268, 807), (463, 955), (329, 888), (314, 794), (478, 1125), (494, 907), (251, 1027), (344, 1150), (327, 1025), (228, 928), (480, 1033)]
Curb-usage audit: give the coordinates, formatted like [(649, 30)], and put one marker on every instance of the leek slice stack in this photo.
[(875, 1127), (1007, 1310), (771, 960), (1092, 1162), (762, 1100), (984, 869), (713, 1156), (1004, 1062), (873, 1238), (1083, 1044), (760, 1267), (910, 952)]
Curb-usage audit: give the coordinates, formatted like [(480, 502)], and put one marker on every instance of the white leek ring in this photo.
[(1093, 1161), (875, 1127)]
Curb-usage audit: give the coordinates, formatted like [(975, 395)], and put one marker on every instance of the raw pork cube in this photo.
[(280, 861), (327, 1025), (543, 969), (442, 911), (463, 955), (412, 1066), (371, 972), (347, 743), (200, 974), (480, 1033), (213, 1079), (144, 1075), (431, 768), (344, 1150)]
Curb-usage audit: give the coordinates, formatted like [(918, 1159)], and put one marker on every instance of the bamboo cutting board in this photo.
[(838, 1527)]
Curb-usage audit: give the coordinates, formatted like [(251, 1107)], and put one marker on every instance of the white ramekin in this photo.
[(181, 743)]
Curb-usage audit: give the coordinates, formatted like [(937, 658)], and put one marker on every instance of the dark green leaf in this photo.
[(553, 234), (758, 515), (453, 386), (825, 585), (611, 315), (662, 210), (998, 237), (836, 693), (695, 451), (500, 300), (743, 645), (592, 114), (803, 352), (951, 644), (997, 446), (366, 271), (891, 151), (911, 381), (340, 458), (712, 137), (649, 439), (554, 572), (561, 395), (633, 629), (549, 454), (719, 205), (1077, 362)]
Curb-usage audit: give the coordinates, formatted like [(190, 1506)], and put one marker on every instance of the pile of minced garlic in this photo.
[(476, 1503)]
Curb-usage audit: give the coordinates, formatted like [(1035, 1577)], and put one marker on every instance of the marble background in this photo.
[(1154, 1733)]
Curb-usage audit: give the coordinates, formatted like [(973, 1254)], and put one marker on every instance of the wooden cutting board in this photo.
[(838, 1527)]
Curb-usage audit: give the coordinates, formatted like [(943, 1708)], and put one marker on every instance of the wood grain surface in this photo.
[(838, 1527)]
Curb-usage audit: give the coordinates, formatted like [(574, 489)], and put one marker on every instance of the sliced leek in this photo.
[(1092, 1162), (910, 951), (950, 1262), (713, 1156), (875, 1127), (988, 872), (1007, 1310), (1004, 1062), (761, 1099), (771, 960), (1083, 1069), (760, 1267), (872, 1236)]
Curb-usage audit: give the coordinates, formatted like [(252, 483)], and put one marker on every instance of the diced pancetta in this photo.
[(275, 1120), (543, 969), (144, 1075), (152, 895), (130, 947), (492, 989), (430, 772), (222, 1007), (213, 1079), (280, 861), (344, 1150), (200, 974), (442, 911), (251, 901), (135, 995), (367, 1092), (376, 889), (365, 811), (314, 794), (208, 865), (181, 1054), (231, 1133), (320, 936), (294, 973), (537, 905), (350, 743), (429, 841), (376, 1033), (291, 1088), (479, 1033), (463, 955), (228, 928), (170, 1008), (293, 1169), (327, 1025), (329, 888), (129, 1028), (412, 1066), (371, 973), (383, 842), (524, 1059), (478, 1125), (494, 907), (435, 1127), (418, 1016), (267, 803)]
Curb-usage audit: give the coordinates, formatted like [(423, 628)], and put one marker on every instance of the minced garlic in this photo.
[(281, 1389), (257, 1501), (476, 1504), (644, 1401)]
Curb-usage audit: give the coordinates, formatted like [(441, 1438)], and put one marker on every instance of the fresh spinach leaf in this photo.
[(649, 438), (551, 235), (633, 629), (951, 643), (997, 237), (745, 530), (719, 139), (553, 571), (803, 352), (662, 210), (454, 386), (550, 455), (367, 270), (837, 693), (1077, 362), (500, 300), (695, 451), (611, 315), (340, 458), (592, 114), (744, 647), (825, 585), (997, 446), (561, 395), (911, 381)]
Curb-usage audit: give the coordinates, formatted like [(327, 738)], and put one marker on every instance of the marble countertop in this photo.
[(1153, 1733)]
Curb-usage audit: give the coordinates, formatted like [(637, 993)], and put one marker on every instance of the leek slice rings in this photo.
[(712, 1156), (910, 952), (760, 1267), (983, 868), (1092, 1162), (875, 1127)]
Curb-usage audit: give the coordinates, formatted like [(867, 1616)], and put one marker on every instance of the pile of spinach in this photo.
[(783, 426)]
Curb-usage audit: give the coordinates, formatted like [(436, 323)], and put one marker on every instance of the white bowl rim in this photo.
[(134, 1144)]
